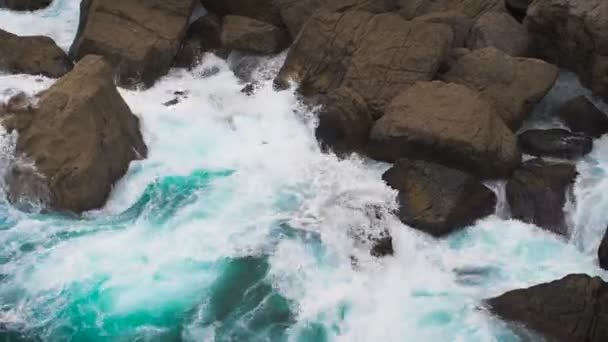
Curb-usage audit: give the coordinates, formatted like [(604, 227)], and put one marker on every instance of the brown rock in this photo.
[(514, 85), (242, 33), (140, 39), (449, 124), (502, 31), (472, 8), (572, 309), (81, 138), (582, 116), (460, 24), (203, 36), (35, 55), (375, 55), (436, 199), (573, 34), (556, 143), (24, 5), (262, 10)]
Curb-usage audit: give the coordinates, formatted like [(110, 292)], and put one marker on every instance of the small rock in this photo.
[(557, 143), (582, 116)]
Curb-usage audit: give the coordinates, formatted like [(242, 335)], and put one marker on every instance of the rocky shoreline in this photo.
[(441, 89)]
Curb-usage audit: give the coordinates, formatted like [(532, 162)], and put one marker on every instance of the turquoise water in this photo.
[(237, 228)]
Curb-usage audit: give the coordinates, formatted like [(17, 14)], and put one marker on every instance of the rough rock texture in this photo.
[(502, 31), (557, 143), (344, 121), (472, 8), (140, 38), (295, 13), (203, 36), (436, 199), (582, 116), (36, 55), (572, 309), (537, 193), (242, 33), (263, 10), (460, 24), (573, 34), (602, 252), (81, 138), (449, 124), (518, 8), (375, 55), (24, 5), (513, 84)]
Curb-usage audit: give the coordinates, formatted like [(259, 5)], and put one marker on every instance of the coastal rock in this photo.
[(436, 199), (140, 39), (557, 143), (518, 8), (572, 309), (537, 191), (80, 137), (203, 36), (242, 33), (25, 5), (512, 84), (262, 10), (35, 55), (449, 124), (410, 9), (602, 252), (574, 35), (502, 31), (460, 24), (582, 116)]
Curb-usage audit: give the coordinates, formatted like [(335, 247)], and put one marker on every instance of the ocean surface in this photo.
[(238, 228)]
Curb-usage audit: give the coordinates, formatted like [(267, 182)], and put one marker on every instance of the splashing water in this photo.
[(237, 228)]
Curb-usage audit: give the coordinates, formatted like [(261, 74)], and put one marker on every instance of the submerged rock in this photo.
[(449, 124), (242, 33), (537, 191), (557, 143), (24, 5), (436, 199), (500, 30), (572, 309), (140, 39), (35, 55), (582, 116), (80, 137)]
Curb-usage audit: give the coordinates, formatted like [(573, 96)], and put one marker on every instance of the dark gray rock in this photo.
[(557, 143), (582, 116)]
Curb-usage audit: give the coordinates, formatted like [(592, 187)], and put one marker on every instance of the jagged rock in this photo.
[(572, 309), (602, 252), (24, 5), (81, 137), (242, 33), (140, 39), (574, 35), (203, 36), (460, 24), (500, 30), (436, 199), (359, 50), (262, 10), (344, 121), (449, 124), (582, 116), (35, 55), (472, 8), (537, 191), (513, 84), (557, 143)]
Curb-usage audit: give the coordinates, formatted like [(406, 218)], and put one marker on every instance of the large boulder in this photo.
[(24, 5), (513, 84), (36, 55), (139, 38), (80, 138), (375, 55), (251, 35), (573, 34), (572, 309), (472, 8), (556, 143), (262, 10), (446, 123), (460, 24), (502, 31), (537, 192), (602, 252), (582, 116), (436, 199), (203, 36)]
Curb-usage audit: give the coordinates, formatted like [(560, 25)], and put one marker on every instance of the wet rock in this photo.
[(512, 84), (203, 36), (35, 55), (574, 35), (572, 309), (537, 192), (242, 33), (140, 39), (472, 8), (602, 252), (518, 8), (24, 5), (436, 199), (382, 247), (80, 139), (460, 24), (357, 49), (449, 124), (557, 143), (500, 30), (262, 10), (582, 116)]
